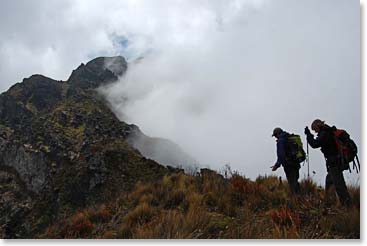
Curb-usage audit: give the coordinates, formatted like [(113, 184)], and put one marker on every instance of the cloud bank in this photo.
[(213, 76)]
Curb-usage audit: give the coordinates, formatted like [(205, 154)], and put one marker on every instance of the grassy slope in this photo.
[(182, 206)]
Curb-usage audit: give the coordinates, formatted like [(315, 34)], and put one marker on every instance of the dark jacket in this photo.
[(326, 140), (281, 149)]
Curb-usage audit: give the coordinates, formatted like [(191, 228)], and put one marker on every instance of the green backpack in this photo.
[(294, 149)]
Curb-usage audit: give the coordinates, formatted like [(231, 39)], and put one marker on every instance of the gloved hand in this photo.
[(274, 168), (307, 131)]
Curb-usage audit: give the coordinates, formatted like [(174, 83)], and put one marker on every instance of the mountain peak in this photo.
[(62, 148), (116, 64), (98, 71)]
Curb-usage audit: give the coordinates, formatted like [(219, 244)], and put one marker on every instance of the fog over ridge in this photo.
[(213, 76)]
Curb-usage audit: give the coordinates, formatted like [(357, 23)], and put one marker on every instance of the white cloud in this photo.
[(217, 76)]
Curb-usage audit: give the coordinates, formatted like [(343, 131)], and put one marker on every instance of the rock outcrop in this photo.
[(62, 148)]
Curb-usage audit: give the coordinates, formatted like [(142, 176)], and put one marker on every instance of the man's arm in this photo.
[(280, 152), (314, 143)]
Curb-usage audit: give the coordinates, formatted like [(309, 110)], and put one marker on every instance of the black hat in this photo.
[(276, 131)]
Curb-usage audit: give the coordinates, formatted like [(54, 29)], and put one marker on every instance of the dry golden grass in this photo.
[(77, 226), (182, 206), (141, 214)]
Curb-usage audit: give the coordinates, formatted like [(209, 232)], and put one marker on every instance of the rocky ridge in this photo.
[(62, 148)]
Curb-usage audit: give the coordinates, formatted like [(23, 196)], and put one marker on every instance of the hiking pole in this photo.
[(308, 162)]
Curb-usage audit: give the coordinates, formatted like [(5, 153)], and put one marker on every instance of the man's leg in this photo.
[(337, 177), (296, 175), (292, 174), (328, 190)]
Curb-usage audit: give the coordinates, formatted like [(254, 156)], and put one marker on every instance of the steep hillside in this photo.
[(62, 148)]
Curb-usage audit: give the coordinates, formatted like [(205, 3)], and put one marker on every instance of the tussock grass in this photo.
[(181, 206)]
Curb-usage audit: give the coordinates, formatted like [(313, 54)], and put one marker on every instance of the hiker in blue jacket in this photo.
[(326, 141), (291, 168)]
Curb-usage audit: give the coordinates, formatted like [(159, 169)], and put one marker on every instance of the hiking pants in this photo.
[(292, 174), (335, 177)]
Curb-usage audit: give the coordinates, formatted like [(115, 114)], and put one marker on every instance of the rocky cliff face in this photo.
[(62, 148)]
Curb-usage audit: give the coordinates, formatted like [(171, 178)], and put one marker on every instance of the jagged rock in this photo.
[(62, 149), (31, 167), (15, 203), (97, 72)]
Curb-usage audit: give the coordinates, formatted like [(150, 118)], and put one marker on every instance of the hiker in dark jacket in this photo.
[(291, 168), (326, 141)]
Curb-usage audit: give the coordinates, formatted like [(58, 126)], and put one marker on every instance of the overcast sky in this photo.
[(216, 76)]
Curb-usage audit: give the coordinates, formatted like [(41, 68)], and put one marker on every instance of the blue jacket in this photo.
[(281, 145)]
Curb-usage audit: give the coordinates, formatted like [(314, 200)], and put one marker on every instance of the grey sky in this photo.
[(217, 76)]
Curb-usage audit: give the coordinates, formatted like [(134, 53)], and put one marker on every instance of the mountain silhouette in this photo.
[(62, 148)]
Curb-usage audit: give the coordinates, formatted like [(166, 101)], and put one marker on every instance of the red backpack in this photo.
[(347, 150)]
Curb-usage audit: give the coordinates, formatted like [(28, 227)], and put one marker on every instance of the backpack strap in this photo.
[(359, 166), (355, 162), (354, 166)]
